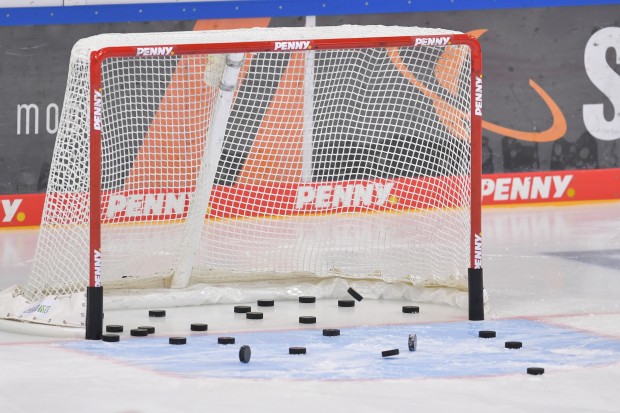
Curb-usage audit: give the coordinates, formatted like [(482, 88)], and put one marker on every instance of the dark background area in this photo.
[(543, 44)]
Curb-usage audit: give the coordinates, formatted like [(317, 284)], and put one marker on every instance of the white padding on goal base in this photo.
[(331, 288), (28, 317), (44, 317)]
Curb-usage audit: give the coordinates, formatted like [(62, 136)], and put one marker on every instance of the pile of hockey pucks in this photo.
[(140, 331), (245, 352), (112, 330), (512, 345)]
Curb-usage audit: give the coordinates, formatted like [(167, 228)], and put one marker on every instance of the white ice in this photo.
[(558, 265)]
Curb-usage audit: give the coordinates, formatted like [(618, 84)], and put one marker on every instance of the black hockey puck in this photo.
[(331, 332), (296, 350), (389, 353), (245, 352), (487, 334), (254, 316), (157, 313), (355, 294), (411, 309), (307, 299), (199, 327), (513, 345), (149, 329), (307, 319), (242, 309), (535, 371), (346, 303), (139, 332), (114, 328), (412, 342), (177, 340), (225, 340), (110, 338), (265, 303)]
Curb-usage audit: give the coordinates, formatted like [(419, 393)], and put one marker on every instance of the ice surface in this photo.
[(553, 282)]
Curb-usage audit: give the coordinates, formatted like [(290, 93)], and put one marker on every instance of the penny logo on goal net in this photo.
[(477, 251), (97, 109), (97, 267), (347, 195), (296, 45), (155, 51), (432, 41), (478, 97)]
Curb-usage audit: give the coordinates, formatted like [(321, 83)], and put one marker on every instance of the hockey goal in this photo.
[(276, 161)]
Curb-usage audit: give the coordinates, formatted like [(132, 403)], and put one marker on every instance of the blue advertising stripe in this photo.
[(24, 16)]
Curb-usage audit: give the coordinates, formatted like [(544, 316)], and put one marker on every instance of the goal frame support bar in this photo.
[(476, 294), (94, 313)]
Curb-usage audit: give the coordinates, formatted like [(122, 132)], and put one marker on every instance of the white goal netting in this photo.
[(250, 172)]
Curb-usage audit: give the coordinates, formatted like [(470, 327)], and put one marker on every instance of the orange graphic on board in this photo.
[(446, 73), (558, 126), (453, 118), (265, 160), (268, 159), (557, 129), (183, 111)]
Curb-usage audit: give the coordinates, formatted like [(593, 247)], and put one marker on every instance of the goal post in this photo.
[(259, 159)]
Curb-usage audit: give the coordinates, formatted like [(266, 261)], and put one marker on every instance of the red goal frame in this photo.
[(94, 311)]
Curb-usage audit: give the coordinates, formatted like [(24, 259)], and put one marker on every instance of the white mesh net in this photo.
[(346, 163)]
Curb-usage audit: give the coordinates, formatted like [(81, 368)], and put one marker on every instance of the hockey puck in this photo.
[(110, 338), (139, 332), (411, 309), (254, 316), (177, 340), (199, 327), (225, 340), (355, 294), (535, 371), (513, 345), (307, 319), (412, 342), (245, 352), (114, 328), (296, 350), (346, 303), (487, 334), (389, 353), (157, 313), (149, 329), (265, 303), (331, 332), (307, 299), (242, 309)]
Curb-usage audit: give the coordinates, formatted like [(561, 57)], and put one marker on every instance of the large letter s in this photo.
[(606, 80)]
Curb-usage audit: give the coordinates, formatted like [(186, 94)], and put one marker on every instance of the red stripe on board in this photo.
[(498, 189), (553, 186)]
